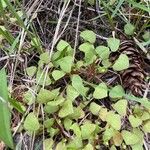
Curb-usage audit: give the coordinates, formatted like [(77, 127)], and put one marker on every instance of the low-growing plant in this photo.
[(74, 101)]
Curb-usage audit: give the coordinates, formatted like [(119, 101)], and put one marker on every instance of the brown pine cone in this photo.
[(133, 78)]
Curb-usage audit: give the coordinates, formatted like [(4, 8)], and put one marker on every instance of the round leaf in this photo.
[(146, 127), (121, 107), (113, 43), (146, 36), (31, 71), (75, 143), (114, 120), (42, 78), (106, 63), (94, 108), (66, 64), (101, 91), (67, 123), (129, 137), (121, 63), (117, 92), (71, 93), (88, 35), (87, 129), (129, 29), (76, 129), (103, 114), (45, 96), (117, 138), (57, 74), (145, 116), (51, 109), (77, 83), (103, 52), (66, 109), (31, 123), (62, 45), (135, 122), (49, 122), (48, 144), (108, 134), (88, 147), (29, 97), (45, 57), (89, 52), (58, 101)]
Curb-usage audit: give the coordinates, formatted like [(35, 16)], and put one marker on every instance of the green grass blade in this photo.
[(16, 105), (138, 5), (143, 101), (5, 131), (117, 8), (7, 35), (24, 24)]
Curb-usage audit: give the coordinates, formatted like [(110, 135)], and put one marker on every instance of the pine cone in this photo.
[(133, 77)]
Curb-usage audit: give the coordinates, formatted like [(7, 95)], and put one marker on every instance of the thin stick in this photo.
[(77, 29)]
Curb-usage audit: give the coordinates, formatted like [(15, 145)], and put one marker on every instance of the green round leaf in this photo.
[(129, 29), (89, 52), (31, 71), (103, 52), (145, 116), (76, 129), (135, 122), (66, 63), (45, 96), (48, 144), (51, 109), (87, 129), (66, 109), (45, 57), (117, 92), (113, 43), (49, 122), (62, 45), (146, 36), (108, 134), (137, 147), (121, 107), (57, 74), (121, 63), (71, 93), (42, 78), (106, 63), (58, 101), (31, 122), (75, 143), (140, 134), (101, 91), (67, 123), (88, 147), (77, 114), (77, 83), (114, 120), (94, 108), (88, 35), (146, 127), (129, 137), (29, 97)]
